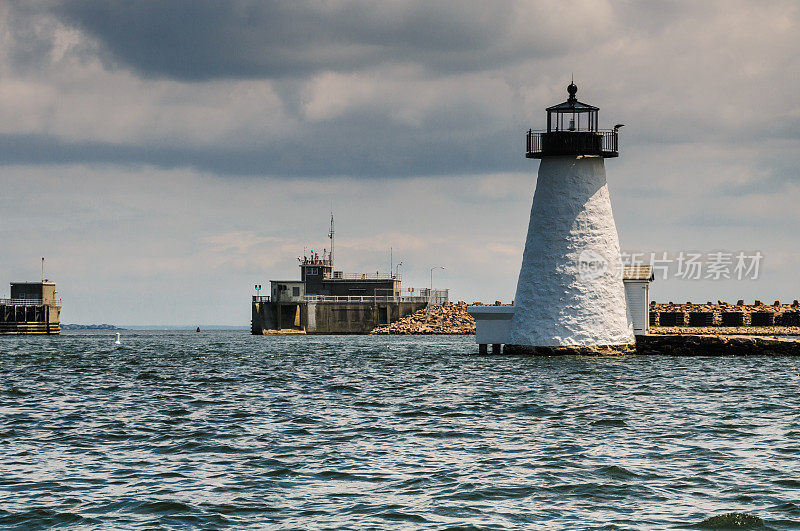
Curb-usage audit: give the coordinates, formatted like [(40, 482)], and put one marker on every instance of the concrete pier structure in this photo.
[(32, 309), (326, 301)]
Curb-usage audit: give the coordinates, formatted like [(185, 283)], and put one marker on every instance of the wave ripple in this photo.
[(224, 429)]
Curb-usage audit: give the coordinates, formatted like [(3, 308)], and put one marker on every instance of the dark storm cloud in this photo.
[(287, 43), (32, 35), (199, 40), (373, 88), (328, 154)]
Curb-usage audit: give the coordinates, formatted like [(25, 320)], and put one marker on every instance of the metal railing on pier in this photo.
[(28, 302), (362, 298), (439, 297), (364, 276)]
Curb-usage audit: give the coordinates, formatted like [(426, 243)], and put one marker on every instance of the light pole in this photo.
[(431, 300), (396, 268), (436, 267)]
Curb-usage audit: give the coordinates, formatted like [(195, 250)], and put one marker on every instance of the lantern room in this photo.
[(572, 129), (567, 116)]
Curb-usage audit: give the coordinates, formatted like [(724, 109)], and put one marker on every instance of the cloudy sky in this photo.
[(166, 156)]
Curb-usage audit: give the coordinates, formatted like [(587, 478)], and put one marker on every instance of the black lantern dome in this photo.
[(572, 130)]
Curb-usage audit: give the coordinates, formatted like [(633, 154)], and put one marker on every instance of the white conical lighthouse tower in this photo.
[(570, 296)]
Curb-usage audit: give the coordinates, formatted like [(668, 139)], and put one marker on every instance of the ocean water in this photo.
[(224, 429)]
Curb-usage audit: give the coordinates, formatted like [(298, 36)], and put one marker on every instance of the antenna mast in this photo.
[(43, 269), (330, 235)]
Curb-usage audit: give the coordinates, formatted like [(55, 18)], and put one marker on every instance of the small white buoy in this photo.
[(117, 342)]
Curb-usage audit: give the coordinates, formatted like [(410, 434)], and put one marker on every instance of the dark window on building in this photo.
[(295, 291)]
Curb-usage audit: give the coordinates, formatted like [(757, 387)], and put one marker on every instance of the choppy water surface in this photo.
[(225, 429)]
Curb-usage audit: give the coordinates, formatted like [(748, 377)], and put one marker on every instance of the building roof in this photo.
[(638, 272), (575, 106)]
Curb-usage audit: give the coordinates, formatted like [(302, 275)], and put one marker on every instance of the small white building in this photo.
[(492, 326), (493, 323), (637, 280), (287, 290)]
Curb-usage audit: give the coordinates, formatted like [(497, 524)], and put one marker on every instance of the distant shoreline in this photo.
[(103, 326), (186, 327)]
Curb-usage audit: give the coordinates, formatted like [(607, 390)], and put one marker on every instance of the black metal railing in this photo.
[(610, 142), (534, 142), (543, 144), (29, 302)]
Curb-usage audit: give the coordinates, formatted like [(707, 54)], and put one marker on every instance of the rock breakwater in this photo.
[(447, 318)]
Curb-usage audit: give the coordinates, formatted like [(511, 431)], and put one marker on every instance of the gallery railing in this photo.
[(540, 144)]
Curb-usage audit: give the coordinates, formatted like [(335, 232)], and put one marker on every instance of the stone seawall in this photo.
[(716, 345), (729, 330), (679, 345), (724, 314)]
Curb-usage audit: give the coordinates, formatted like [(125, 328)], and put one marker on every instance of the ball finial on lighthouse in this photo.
[(570, 296), (572, 89)]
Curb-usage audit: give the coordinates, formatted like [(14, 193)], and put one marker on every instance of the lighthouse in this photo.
[(570, 294)]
